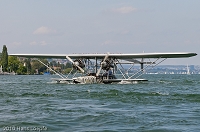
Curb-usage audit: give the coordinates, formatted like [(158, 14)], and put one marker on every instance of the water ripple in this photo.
[(165, 103)]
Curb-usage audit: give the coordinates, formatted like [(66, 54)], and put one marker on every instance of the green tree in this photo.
[(4, 59), (28, 65), (53, 63), (68, 65), (37, 65), (68, 70), (21, 70), (13, 63)]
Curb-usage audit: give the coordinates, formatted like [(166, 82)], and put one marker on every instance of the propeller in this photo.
[(75, 64), (106, 57)]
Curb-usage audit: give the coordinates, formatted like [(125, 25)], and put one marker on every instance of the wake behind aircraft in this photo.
[(102, 68)]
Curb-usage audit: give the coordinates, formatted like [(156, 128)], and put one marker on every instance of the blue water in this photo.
[(164, 103)]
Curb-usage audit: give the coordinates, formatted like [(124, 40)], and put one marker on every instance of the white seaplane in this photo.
[(102, 68)]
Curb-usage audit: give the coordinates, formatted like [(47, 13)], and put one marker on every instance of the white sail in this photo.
[(188, 70)]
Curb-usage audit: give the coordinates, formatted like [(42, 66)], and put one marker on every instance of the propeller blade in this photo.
[(75, 64), (69, 59), (98, 71), (81, 69), (106, 57)]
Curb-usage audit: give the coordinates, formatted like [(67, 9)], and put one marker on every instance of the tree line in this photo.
[(24, 66)]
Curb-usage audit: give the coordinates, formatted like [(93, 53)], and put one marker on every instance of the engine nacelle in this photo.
[(107, 64), (79, 63)]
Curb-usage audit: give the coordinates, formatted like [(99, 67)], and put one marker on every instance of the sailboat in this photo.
[(188, 70)]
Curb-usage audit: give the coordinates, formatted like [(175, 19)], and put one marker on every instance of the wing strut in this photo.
[(62, 76), (146, 67), (151, 67), (120, 70)]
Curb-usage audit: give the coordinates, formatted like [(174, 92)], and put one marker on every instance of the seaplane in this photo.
[(103, 68)]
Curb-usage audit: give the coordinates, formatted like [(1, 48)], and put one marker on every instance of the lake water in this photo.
[(164, 103)]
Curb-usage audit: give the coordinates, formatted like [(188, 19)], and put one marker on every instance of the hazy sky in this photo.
[(101, 26)]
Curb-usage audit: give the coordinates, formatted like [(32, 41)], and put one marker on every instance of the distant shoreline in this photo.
[(8, 73)]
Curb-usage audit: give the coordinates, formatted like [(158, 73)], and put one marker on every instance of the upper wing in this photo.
[(118, 56), (59, 56), (132, 56)]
